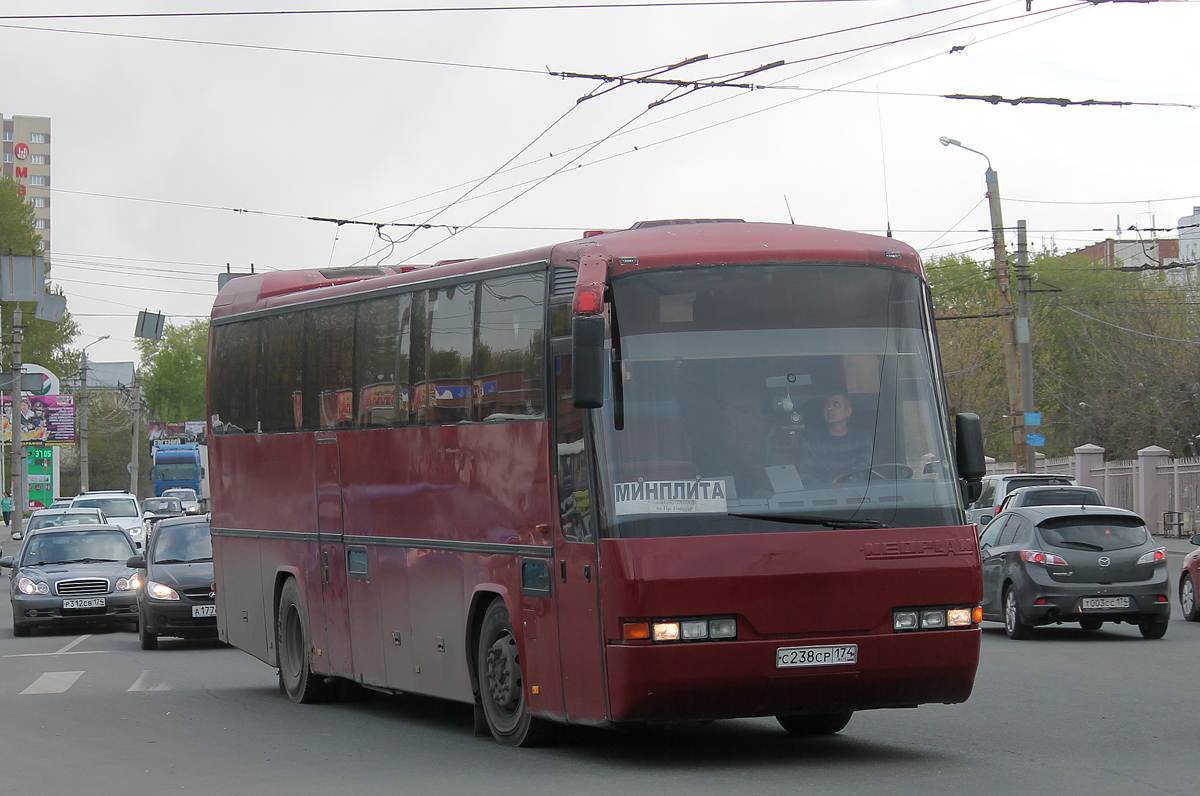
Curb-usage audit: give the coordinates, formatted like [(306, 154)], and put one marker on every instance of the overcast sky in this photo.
[(164, 130)]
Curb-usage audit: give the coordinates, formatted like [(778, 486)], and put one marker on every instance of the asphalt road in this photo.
[(1069, 712)]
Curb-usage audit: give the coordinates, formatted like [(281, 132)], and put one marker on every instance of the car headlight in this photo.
[(135, 530), (125, 584), (135, 581), (29, 586), (161, 591)]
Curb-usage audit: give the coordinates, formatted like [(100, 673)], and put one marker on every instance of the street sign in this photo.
[(22, 277), (1036, 440), (1033, 418), (150, 325), (30, 382)]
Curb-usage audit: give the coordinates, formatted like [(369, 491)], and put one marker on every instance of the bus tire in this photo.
[(814, 724), (501, 686), (294, 645)]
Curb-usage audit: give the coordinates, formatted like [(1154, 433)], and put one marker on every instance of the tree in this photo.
[(174, 372), (45, 343)]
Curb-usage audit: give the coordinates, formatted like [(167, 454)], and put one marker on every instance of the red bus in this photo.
[(689, 470)]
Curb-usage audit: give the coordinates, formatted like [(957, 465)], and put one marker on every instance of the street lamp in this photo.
[(83, 415), (1020, 395)]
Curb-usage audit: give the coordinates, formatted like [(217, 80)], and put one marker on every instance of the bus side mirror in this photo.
[(968, 454), (587, 361)]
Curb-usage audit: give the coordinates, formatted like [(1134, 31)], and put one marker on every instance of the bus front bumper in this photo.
[(729, 679)]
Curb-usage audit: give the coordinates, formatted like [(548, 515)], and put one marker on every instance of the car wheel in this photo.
[(148, 640), (1187, 598), (1153, 627), (815, 723), (296, 677), (501, 686), (20, 629), (1014, 625), (1091, 624)]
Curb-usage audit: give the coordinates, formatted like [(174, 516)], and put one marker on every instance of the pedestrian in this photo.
[(7, 507)]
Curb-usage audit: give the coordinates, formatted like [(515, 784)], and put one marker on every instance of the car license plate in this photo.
[(1103, 603), (84, 602), (204, 610), (837, 655)]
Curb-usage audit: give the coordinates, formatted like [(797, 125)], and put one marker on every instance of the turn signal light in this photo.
[(909, 619), (635, 631)]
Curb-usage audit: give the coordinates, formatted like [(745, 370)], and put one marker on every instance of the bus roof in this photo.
[(648, 245)]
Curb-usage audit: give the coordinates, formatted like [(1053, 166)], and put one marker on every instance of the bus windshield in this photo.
[(770, 398)]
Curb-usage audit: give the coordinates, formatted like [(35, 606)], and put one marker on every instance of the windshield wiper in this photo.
[(87, 561), (1082, 545), (169, 561), (804, 519), (197, 560)]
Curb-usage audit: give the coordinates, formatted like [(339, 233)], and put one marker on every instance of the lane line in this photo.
[(74, 643), (140, 683), (53, 683), (51, 654)]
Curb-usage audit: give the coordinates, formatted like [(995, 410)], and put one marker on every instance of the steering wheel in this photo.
[(889, 471)]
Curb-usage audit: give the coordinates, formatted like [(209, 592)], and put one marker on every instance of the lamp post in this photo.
[(83, 415), (1012, 365)]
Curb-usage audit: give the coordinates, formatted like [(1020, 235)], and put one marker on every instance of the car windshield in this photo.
[(182, 494), (77, 547), (111, 506), (1061, 497), (1049, 481), (772, 398), (162, 504), (57, 520), (1093, 533), (176, 544)]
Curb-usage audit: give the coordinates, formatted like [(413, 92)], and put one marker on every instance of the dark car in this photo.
[(1085, 564), (72, 574), (1051, 496), (160, 508), (176, 595)]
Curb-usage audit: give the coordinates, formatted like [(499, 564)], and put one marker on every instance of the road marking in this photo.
[(53, 683), (75, 643), (140, 683), (49, 654)]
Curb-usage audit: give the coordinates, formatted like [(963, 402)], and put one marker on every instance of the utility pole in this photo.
[(137, 418), (1008, 338), (83, 420), (1024, 336), (18, 472)]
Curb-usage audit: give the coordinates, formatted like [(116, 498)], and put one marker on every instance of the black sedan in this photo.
[(1086, 564), (72, 574), (176, 595)]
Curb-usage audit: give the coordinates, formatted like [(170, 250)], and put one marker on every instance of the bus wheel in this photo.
[(501, 687), (296, 678), (816, 723)]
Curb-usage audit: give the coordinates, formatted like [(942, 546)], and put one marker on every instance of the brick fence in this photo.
[(1164, 491)]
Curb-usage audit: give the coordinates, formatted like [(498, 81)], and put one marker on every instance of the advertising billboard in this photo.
[(45, 419)]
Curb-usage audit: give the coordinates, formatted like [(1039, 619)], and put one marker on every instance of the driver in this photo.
[(838, 449)]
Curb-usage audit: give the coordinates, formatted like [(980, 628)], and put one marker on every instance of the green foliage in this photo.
[(1115, 354), (45, 343), (174, 372)]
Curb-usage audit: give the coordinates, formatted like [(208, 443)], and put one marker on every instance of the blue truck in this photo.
[(178, 465)]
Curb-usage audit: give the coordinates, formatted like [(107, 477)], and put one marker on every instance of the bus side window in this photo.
[(329, 395), (234, 378), (508, 353), (573, 465), (451, 334)]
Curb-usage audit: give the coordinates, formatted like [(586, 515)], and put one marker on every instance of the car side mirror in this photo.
[(136, 562), (7, 562), (1194, 540), (984, 520)]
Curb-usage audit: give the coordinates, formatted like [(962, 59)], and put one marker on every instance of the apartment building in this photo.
[(26, 154)]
